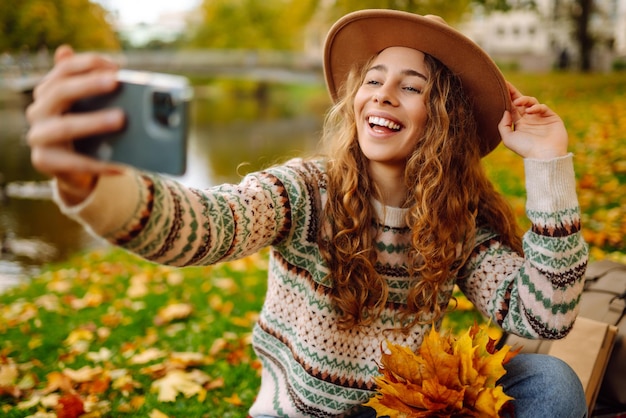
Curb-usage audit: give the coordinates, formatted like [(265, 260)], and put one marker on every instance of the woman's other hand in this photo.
[(532, 129)]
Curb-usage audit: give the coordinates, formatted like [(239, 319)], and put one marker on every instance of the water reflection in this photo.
[(33, 231), (219, 154)]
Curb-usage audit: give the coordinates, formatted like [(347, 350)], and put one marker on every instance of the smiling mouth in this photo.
[(384, 123)]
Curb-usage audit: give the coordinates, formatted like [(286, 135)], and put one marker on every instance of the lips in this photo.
[(377, 121)]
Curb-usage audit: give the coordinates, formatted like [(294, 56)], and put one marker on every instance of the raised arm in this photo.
[(535, 294)]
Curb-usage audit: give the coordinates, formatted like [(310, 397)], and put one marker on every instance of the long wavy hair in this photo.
[(449, 196)]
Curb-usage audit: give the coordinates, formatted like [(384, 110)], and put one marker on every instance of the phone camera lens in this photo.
[(164, 109)]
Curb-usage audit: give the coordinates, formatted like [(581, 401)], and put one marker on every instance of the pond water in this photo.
[(229, 127)]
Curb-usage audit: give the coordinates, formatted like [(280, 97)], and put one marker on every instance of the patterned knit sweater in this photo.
[(311, 367)]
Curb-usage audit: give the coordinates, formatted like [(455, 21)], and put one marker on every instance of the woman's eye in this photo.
[(413, 89), (372, 82)]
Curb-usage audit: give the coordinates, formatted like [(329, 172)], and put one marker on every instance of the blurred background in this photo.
[(259, 95)]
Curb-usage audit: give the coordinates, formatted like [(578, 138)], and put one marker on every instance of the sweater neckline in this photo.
[(389, 215)]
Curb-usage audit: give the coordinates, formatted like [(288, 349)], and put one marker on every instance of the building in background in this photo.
[(166, 29), (542, 37)]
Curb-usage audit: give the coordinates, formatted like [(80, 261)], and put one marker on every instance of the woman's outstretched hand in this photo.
[(532, 129), (53, 129)]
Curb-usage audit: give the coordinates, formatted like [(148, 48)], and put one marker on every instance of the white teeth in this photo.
[(375, 120)]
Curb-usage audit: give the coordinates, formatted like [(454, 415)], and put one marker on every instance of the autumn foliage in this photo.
[(447, 377)]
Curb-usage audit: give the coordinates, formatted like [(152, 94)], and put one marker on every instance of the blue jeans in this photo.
[(543, 387)]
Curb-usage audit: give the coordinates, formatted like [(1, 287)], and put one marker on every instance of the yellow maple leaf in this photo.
[(79, 335), (173, 312), (155, 413), (57, 381), (490, 401), (438, 360), (147, 356), (93, 298), (447, 377), (438, 397), (8, 374), (465, 350), (84, 374), (186, 359), (409, 393), (8, 380), (138, 286), (175, 382), (398, 361), (488, 361), (234, 400)]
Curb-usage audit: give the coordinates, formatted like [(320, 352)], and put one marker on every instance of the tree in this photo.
[(581, 16), (253, 24), (450, 10), (35, 24), (280, 24)]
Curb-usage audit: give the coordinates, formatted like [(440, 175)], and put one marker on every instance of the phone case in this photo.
[(157, 118)]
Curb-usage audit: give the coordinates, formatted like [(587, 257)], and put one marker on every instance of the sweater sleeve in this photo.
[(163, 221), (535, 296)]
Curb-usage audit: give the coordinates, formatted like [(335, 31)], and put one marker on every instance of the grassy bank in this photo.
[(128, 336)]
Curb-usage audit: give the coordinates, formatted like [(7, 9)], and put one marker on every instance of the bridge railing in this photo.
[(192, 59), (22, 74)]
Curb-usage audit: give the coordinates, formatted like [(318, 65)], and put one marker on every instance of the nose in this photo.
[(384, 96)]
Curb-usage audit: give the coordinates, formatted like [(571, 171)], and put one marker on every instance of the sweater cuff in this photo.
[(109, 207), (550, 184)]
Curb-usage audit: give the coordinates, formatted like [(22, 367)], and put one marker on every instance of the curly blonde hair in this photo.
[(449, 197)]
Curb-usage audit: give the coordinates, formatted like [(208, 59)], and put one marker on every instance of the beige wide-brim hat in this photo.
[(359, 35)]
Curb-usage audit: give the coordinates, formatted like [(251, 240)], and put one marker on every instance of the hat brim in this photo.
[(359, 35)]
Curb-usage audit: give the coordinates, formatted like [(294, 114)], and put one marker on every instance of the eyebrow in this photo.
[(407, 72)]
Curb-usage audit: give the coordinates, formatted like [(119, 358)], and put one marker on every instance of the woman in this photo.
[(368, 242)]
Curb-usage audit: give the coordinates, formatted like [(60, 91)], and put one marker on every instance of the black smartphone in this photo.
[(155, 134)]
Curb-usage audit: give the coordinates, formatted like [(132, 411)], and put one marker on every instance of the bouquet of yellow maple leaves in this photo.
[(447, 377)]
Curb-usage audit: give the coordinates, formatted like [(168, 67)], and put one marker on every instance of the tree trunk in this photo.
[(585, 42)]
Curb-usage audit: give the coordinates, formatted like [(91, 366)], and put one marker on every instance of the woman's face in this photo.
[(389, 106)]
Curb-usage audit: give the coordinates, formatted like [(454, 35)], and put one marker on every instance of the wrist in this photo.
[(546, 154), (75, 189)]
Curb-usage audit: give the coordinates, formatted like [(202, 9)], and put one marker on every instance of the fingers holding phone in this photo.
[(52, 141), (52, 129), (73, 76)]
